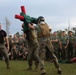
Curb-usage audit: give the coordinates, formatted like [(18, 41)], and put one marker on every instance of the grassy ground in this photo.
[(18, 68)]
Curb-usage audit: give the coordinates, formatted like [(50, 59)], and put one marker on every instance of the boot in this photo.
[(43, 72), (29, 68), (59, 71), (36, 67), (7, 66)]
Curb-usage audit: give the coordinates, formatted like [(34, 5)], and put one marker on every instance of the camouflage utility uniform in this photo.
[(71, 45), (33, 48), (55, 43), (63, 46), (44, 41)]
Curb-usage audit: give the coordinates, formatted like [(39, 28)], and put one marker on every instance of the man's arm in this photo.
[(60, 44), (31, 26)]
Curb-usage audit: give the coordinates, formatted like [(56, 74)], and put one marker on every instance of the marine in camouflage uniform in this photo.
[(3, 49), (63, 46), (31, 37), (70, 45), (14, 53), (33, 47), (22, 40), (21, 49), (55, 43), (44, 41), (15, 41)]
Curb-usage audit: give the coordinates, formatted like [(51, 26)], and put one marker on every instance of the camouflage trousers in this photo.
[(33, 53), (51, 49), (56, 50), (47, 44), (4, 53), (63, 52)]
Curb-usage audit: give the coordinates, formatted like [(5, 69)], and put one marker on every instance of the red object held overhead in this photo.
[(19, 17), (23, 9)]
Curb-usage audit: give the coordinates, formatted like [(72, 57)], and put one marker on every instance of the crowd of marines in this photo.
[(64, 46)]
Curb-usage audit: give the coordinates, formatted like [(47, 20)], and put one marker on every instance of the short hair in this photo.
[(70, 32), (63, 31)]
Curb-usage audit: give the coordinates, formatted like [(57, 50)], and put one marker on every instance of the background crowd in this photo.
[(64, 46)]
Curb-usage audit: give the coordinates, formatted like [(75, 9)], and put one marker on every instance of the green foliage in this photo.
[(18, 68)]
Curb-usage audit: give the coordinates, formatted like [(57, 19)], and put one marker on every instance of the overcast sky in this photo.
[(58, 13)]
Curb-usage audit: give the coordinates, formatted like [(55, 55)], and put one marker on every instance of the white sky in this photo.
[(56, 12)]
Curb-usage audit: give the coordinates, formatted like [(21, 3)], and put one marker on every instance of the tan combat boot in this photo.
[(7, 66), (36, 67), (43, 72), (59, 70)]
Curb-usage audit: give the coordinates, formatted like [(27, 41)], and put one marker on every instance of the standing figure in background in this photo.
[(15, 41), (63, 46), (14, 53), (55, 42), (71, 39)]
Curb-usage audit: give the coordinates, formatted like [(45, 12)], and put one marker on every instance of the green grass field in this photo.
[(18, 68)]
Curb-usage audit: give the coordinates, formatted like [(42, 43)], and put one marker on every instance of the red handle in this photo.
[(23, 9), (19, 17)]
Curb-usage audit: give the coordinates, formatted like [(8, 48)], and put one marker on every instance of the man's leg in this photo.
[(5, 54), (55, 60)]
